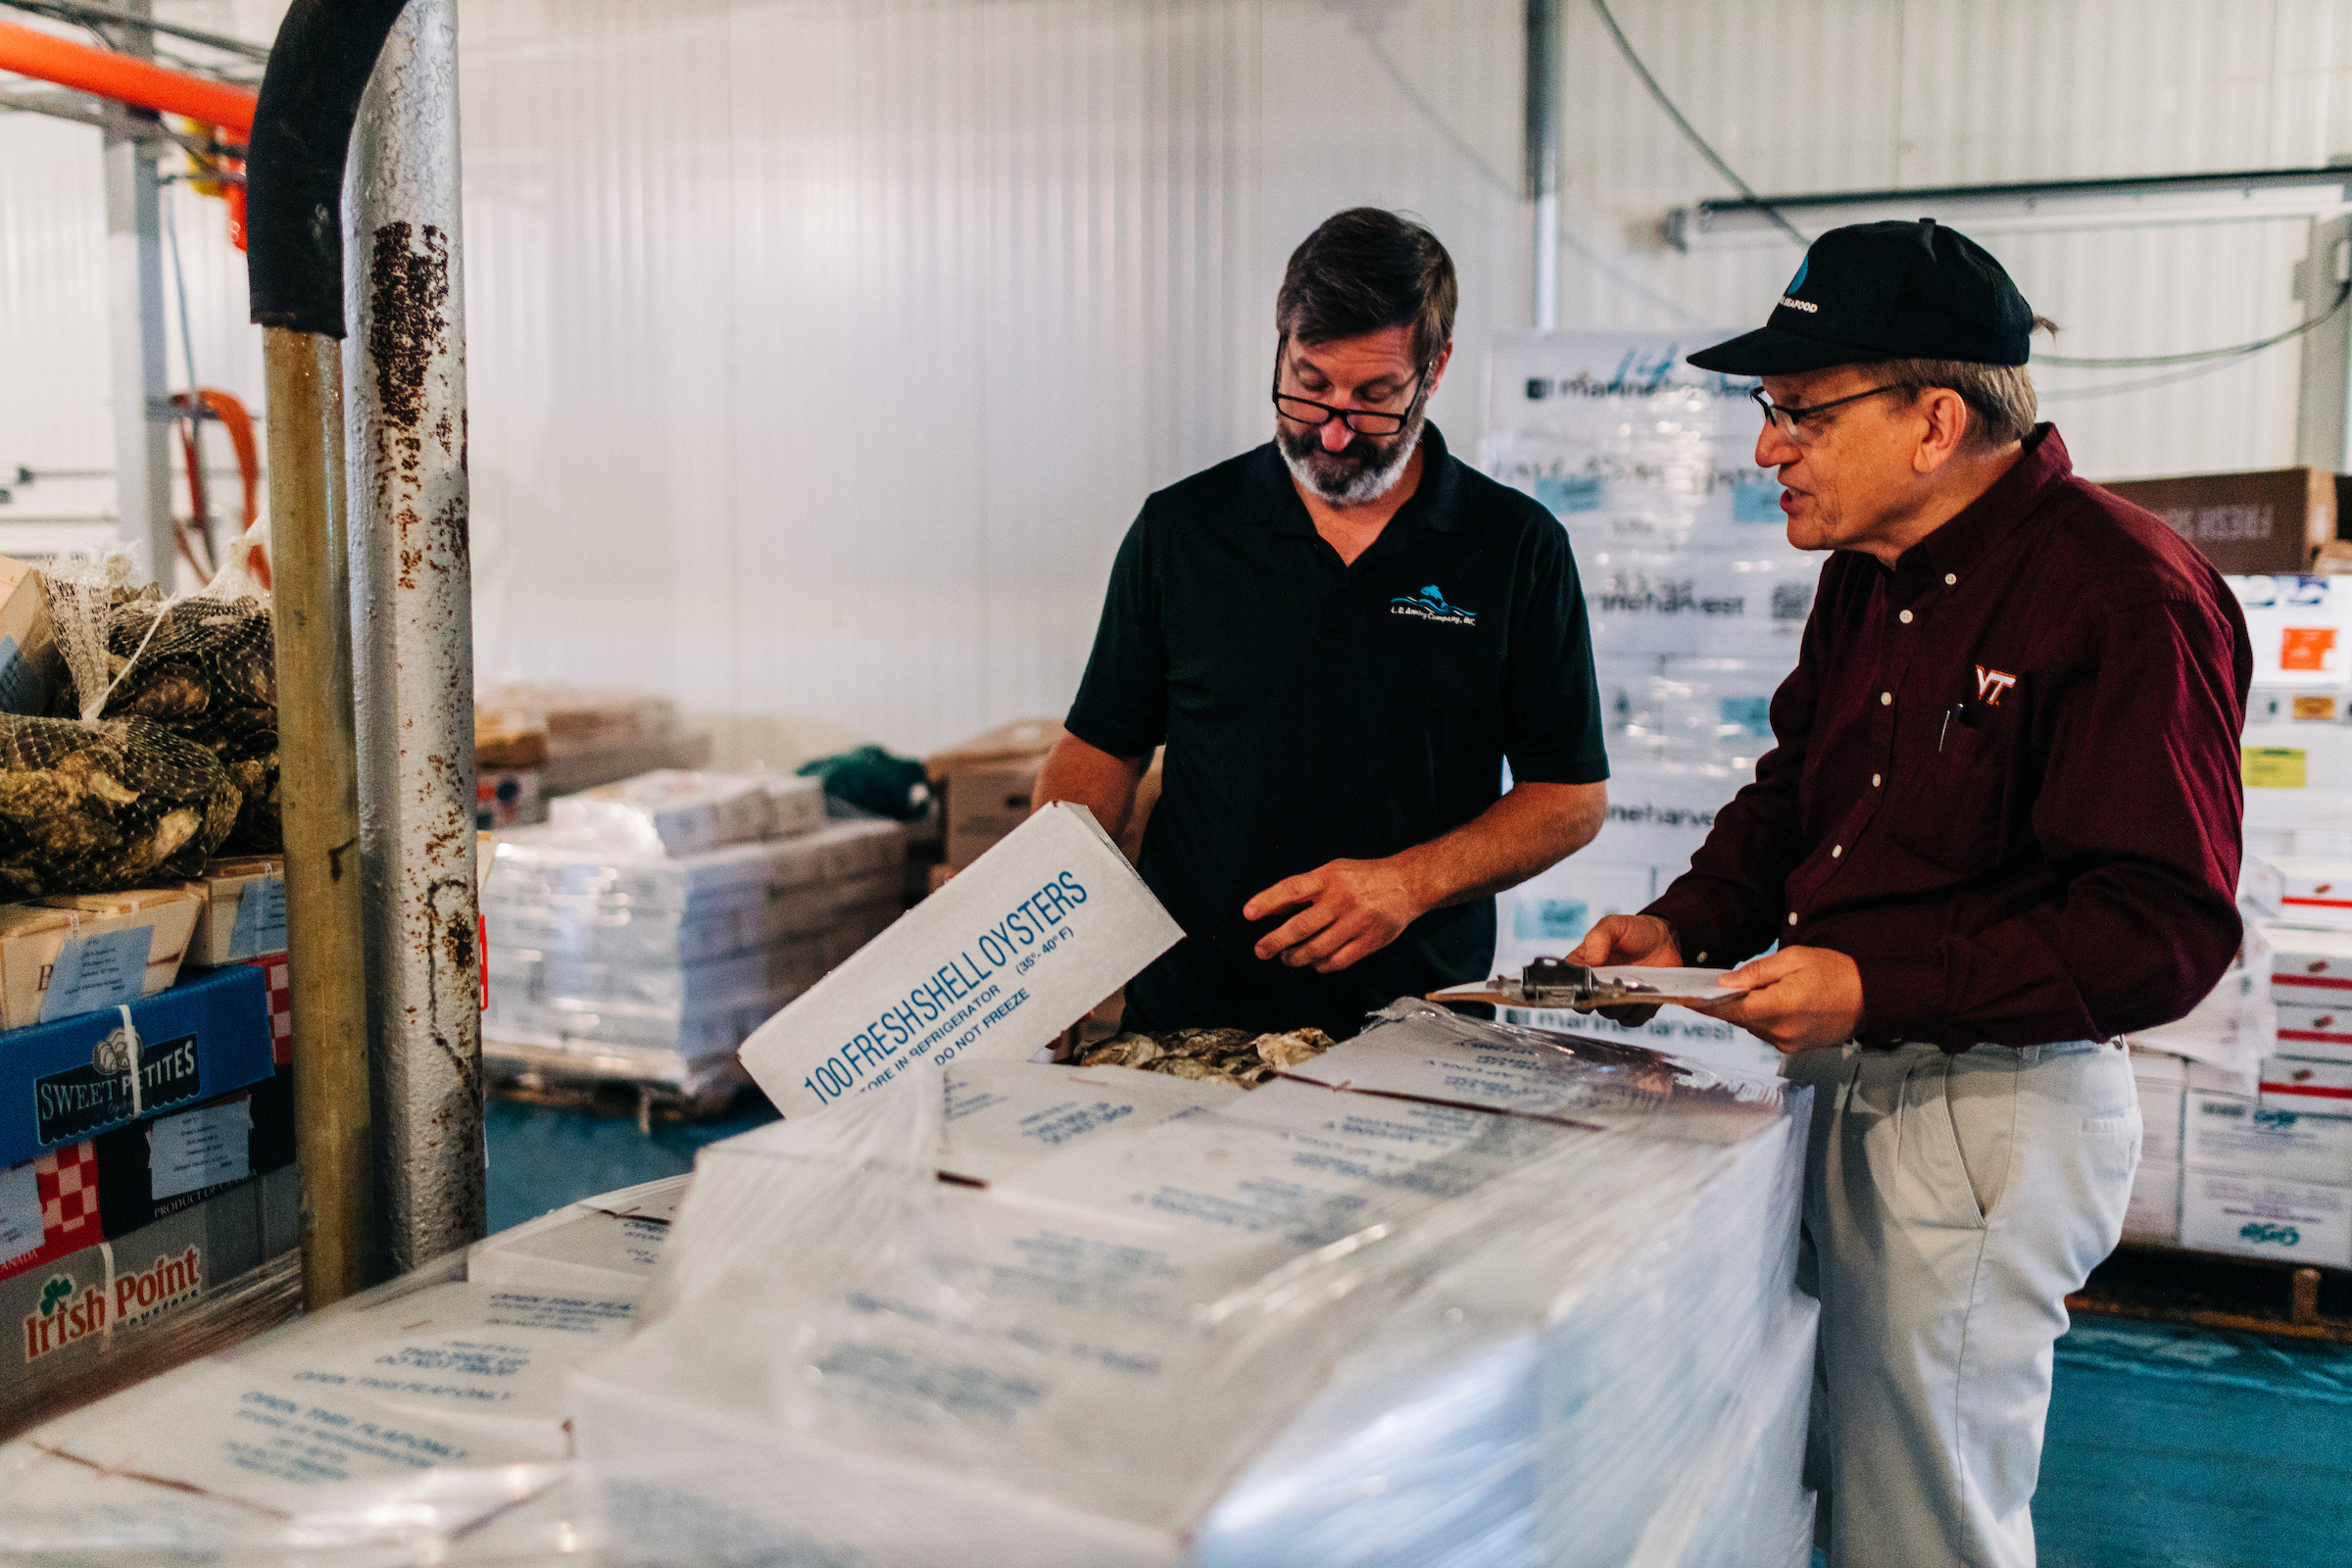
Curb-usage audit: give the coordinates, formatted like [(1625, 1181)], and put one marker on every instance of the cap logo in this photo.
[(1798, 281)]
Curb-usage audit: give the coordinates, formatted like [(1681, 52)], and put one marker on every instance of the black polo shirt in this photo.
[(1315, 711)]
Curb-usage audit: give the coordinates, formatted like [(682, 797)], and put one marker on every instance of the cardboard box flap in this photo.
[(994, 964)]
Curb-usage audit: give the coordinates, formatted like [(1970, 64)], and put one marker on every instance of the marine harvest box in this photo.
[(995, 964), (70, 1080)]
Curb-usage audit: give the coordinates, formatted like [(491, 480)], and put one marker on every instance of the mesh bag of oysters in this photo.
[(129, 780)]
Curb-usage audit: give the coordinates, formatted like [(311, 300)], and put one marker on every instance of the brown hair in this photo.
[(1366, 269)]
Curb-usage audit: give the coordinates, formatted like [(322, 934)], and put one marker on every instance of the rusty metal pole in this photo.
[(318, 66), (412, 612), (319, 800)]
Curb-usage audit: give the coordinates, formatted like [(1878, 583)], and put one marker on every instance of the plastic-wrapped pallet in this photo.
[(1543, 1290), (635, 962)]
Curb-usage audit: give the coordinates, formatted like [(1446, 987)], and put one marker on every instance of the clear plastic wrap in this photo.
[(643, 962), (1030, 1315)]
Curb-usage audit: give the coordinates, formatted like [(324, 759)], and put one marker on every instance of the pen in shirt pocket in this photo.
[(1961, 711)]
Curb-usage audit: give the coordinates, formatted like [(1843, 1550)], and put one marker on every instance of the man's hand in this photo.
[(1641, 939), (1345, 911), (1795, 999)]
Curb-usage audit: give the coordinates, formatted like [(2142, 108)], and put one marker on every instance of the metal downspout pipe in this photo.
[(1544, 155), (414, 609), (318, 66)]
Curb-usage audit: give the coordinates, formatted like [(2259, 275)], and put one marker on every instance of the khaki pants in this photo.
[(1952, 1205)]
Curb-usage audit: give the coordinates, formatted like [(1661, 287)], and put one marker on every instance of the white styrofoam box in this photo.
[(2322, 844), (1715, 603), (1023, 943), (1660, 813), (2232, 1027), (2301, 629), (1005, 1116), (2309, 964), (795, 804), (2214, 1078), (2158, 1068), (861, 847), (2322, 1032), (2297, 704), (2298, 778), (1705, 711), (2154, 1212), (2303, 1222), (2265, 843), (2233, 1133), (1549, 912), (2318, 1088), (2160, 1108), (608, 1245), (669, 811)]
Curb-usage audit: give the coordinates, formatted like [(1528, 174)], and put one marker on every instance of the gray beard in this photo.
[(1354, 486)]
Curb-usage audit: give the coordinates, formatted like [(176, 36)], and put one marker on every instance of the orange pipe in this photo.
[(126, 79)]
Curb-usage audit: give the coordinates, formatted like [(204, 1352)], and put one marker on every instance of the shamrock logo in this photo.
[(55, 1292)]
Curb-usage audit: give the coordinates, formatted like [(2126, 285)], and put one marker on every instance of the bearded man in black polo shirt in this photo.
[(1340, 637)]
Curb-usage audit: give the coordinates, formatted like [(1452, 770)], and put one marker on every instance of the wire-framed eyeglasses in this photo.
[(1363, 421), (1789, 421)]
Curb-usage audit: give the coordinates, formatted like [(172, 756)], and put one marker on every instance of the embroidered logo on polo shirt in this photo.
[(1990, 683), (1431, 604)]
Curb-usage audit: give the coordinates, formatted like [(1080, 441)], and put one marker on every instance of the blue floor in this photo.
[(2168, 1447)]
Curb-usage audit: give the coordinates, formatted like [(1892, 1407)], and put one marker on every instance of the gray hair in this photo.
[(2000, 399)]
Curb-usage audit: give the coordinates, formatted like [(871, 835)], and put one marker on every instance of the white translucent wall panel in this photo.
[(821, 350), (1871, 94)]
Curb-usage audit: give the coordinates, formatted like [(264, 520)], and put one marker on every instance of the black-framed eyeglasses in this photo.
[(1791, 421), (1363, 421)]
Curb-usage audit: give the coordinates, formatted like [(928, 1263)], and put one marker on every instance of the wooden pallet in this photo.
[(539, 1076), (2213, 1290)]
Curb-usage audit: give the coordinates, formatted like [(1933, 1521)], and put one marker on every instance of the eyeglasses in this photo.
[(1789, 420), (1363, 421)]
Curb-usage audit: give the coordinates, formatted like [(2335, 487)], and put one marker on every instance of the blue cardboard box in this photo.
[(70, 1080)]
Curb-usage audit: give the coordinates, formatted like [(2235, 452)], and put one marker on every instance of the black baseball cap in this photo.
[(1885, 291)]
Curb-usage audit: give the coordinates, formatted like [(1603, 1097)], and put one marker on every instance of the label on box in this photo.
[(84, 1100), (261, 927), (90, 973), (2274, 767), (201, 1147), (2304, 1222), (2306, 648), (2319, 710), (20, 1228), (2230, 1134), (995, 964)]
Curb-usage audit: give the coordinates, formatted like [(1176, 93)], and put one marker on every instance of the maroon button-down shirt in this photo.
[(2006, 777)]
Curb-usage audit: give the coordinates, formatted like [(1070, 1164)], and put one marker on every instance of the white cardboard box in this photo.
[(2323, 1033), (2234, 1134), (2308, 892), (2317, 1088), (2309, 964), (2161, 1106), (2154, 1212), (1013, 951), (2305, 1222)]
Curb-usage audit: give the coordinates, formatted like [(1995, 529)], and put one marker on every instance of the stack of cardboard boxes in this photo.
[(2245, 1152), (148, 1193), (985, 784), (651, 925)]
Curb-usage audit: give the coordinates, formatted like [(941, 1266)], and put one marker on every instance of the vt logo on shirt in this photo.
[(1431, 604), (1990, 683)]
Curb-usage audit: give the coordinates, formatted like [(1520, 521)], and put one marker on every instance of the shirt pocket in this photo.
[(1951, 811)]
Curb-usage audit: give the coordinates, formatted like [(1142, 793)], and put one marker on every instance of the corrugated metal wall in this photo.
[(821, 350)]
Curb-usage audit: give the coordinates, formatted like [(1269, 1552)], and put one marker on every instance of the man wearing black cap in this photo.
[(1999, 830)]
